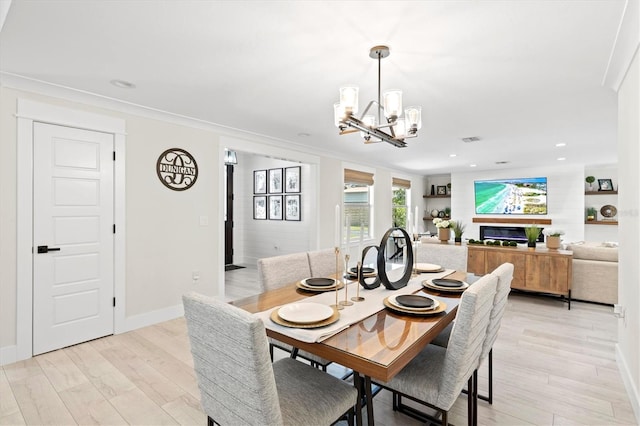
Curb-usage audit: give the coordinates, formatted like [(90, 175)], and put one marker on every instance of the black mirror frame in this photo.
[(382, 270), (361, 278)]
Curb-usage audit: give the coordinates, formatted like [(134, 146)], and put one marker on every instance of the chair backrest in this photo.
[(446, 255), (232, 363), (504, 273), (323, 262), (278, 271), (467, 336)]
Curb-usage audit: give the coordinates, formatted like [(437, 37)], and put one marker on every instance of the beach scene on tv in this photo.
[(511, 196)]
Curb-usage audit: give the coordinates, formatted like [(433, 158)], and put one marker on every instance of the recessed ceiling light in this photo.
[(471, 139), (502, 162), (561, 159), (123, 84), (452, 155), (304, 134), (472, 165), (561, 144)]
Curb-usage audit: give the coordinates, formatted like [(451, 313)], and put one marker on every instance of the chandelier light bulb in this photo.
[(338, 115), (369, 121), (413, 116), (400, 129), (392, 100), (349, 99)]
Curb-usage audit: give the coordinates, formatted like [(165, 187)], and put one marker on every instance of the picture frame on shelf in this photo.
[(260, 207), (275, 181), (605, 185), (292, 179), (441, 190), (259, 181), (292, 207), (275, 207)]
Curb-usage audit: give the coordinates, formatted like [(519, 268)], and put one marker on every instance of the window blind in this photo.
[(400, 183), (356, 176)]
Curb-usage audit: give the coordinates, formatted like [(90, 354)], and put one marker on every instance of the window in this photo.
[(400, 202), (357, 204)]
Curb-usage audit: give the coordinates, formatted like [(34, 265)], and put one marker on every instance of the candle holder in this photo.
[(337, 305), (357, 297), (346, 302), (414, 272)]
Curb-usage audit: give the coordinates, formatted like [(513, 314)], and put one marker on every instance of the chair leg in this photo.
[(210, 421), (271, 351), (475, 397), (470, 401), (490, 399)]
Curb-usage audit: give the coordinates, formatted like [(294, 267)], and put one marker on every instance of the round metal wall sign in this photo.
[(177, 169)]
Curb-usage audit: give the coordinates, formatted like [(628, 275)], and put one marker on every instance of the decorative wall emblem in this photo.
[(177, 169)]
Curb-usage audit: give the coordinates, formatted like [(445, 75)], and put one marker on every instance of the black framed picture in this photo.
[(260, 207), (292, 207), (259, 181), (441, 190), (605, 185), (275, 207), (275, 181), (292, 179)]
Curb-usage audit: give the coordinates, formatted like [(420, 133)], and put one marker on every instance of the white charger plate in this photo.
[(305, 313), (394, 302)]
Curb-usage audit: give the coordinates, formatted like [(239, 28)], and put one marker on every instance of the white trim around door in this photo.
[(29, 112)]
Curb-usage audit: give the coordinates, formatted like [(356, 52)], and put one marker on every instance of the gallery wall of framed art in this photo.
[(277, 194)]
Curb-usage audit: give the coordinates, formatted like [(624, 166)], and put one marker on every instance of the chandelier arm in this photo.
[(355, 123)]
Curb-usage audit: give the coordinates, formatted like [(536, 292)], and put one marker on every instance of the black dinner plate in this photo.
[(365, 270), (319, 282), (414, 301), (447, 282)]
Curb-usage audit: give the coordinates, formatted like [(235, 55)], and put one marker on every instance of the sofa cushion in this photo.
[(594, 252)]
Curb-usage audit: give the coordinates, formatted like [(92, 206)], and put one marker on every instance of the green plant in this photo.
[(532, 232), (458, 228), (590, 180), (447, 211), (591, 213)]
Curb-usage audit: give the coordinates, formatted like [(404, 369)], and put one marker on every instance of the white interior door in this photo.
[(73, 283)]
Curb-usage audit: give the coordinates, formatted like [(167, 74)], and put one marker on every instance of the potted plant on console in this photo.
[(553, 237), (458, 230), (532, 232), (444, 229)]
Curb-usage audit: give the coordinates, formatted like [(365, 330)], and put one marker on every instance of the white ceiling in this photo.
[(521, 75)]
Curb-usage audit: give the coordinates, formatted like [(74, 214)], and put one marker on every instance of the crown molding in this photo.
[(625, 46)]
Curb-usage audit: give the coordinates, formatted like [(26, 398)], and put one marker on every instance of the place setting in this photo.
[(414, 304), (319, 284), (428, 268), (305, 315), (445, 285)]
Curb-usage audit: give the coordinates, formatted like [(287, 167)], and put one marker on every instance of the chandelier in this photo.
[(384, 123)]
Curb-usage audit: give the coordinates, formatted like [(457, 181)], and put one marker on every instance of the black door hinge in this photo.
[(114, 228), (114, 302), (114, 156)]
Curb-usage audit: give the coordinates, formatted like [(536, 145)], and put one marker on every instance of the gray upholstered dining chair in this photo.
[(239, 384), (277, 271), (323, 262), (446, 255), (436, 376), (504, 273)]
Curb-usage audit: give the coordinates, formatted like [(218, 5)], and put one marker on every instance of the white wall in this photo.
[(628, 349), (266, 238), (565, 198)]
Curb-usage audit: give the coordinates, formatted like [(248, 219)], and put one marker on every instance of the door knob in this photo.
[(47, 249)]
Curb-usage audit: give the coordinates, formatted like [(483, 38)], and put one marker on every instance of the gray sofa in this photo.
[(595, 272)]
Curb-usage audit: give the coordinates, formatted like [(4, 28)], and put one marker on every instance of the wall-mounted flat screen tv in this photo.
[(511, 196)]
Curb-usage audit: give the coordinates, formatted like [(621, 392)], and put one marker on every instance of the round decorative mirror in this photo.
[(395, 275), (368, 281)]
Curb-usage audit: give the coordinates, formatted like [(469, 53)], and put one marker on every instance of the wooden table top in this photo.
[(378, 346)]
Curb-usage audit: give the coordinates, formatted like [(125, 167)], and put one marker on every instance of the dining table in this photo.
[(375, 347)]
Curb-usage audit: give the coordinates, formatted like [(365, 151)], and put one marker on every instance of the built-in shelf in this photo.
[(436, 196), (529, 221), (601, 222), (600, 192)]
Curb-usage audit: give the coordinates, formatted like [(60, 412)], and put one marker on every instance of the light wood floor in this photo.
[(552, 367)]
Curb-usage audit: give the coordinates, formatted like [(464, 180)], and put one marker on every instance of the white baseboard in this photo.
[(8, 355), (627, 379), (150, 318)]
